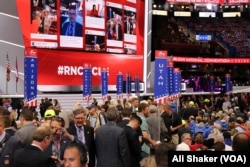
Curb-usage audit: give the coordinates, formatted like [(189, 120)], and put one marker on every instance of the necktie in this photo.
[(71, 30), (80, 135)]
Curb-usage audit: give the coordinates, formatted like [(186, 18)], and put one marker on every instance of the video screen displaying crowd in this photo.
[(132, 132)]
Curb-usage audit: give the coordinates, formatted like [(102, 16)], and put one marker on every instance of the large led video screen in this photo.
[(90, 25), (102, 33)]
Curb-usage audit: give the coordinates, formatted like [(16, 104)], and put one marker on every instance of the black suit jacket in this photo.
[(134, 146), (32, 156), (7, 154), (90, 141), (78, 29), (123, 123), (173, 120)]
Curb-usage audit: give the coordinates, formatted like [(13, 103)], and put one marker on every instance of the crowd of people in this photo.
[(128, 133)]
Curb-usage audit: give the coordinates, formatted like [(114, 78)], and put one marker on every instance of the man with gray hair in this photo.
[(111, 141), (33, 154), (220, 138), (156, 125), (186, 142)]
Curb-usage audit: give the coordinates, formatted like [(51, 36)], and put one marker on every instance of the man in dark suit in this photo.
[(111, 143), (133, 140), (72, 28), (128, 27), (126, 114), (34, 155), (83, 133), (117, 30), (59, 138), (8, 144), (134, 105), (7, 153)]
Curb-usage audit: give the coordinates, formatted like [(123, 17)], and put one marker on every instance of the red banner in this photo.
[(198, 1), (210, 1), (161, 54), (66, 68), (212, 60), (237, 1)]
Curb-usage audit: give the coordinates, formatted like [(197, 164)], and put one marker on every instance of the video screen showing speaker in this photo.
[(90, 25)]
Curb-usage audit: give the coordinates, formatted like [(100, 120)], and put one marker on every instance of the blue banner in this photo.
[(30, 81), (90, 81), (171, 78), (180, 79), (167, 80), (87, 83), (119, 85), (128, 84), (160, 77), (211, 83), (228, 83), (176, 81), (104, 90), (137, 86)]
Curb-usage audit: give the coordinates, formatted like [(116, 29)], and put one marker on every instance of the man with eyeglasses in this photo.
[(83, 133), (186, 142), (72, 27)]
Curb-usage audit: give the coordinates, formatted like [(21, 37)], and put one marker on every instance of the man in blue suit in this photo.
[(72, 28)]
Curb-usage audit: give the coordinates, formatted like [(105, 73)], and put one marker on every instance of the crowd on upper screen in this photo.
[(115, 133)]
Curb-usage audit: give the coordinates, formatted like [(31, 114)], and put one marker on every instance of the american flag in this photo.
[(17, 74), (119, 96), (105, 97), (31, 103), (87, 98), (7, 63), (159, 100)]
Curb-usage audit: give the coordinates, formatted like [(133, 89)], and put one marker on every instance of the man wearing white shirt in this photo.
[(185, 144)]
